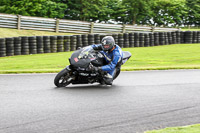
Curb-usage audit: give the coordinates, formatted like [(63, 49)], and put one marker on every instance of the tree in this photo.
[(193, 17), (40, 8), (136, 10), (167, 12), (85, 10)]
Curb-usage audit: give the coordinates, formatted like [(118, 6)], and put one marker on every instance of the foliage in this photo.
[(136, 10), (40, 8), (167, 12), (193, 17), (152, 12)]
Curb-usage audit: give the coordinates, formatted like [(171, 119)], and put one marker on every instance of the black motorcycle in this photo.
[(79, 71)]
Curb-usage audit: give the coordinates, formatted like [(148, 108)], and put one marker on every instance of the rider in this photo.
[(113, 56)]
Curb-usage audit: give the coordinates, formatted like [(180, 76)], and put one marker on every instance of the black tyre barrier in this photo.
[(32, 45), (188, 36), (146, 40), (194, 40), (25, 45), (79, 41), (9, 46), (84, 40), (2, 47), (198, 37), (151, 37), (91, 39), (131, 39), (136, 40), (53, 44), (161, 38), (141, 39), (166, 38), (121, 40), (182, 37), (46, 41), (169, 35), (40, 44), (174, 38), (17, 46), (126, 40), (115, 36), (66, 43), (97, 39), (60, 43), (73, 43), (178, 37), (102, 36), (156, 39)]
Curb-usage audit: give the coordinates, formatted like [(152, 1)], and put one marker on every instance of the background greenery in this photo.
[(151, 12)]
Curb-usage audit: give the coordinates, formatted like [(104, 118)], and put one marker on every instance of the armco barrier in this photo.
[(50, 44)]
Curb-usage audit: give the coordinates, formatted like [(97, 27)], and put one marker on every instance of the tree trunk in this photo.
[(134, 20)]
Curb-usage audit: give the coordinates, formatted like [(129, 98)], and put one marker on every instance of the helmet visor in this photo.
[(106, 46)]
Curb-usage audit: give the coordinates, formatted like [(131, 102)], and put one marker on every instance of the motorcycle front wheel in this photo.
[(63, 78)]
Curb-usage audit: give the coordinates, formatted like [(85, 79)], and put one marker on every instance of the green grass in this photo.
[(6, 32), (192, 29), (186, 129), (179, 56)]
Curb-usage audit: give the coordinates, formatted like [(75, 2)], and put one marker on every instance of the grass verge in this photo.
[(185, 129), (6, 32), (178, 56)]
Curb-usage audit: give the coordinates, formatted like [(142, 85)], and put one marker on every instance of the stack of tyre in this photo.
[(66, 43), (25, 45), (121, 40), (126, 40), (79, 41), (97, 39), (151, 37), (194, 40), (40, 44), (53, 44), (17, 46), (9, 46), (60, 43), (32, 45), (198, 37), (169, 35), (2, 47), (73, 43), (131, 39), (85, 40), (156, 39), (136, 40), (188, 36), (47, 46), (146, 40)]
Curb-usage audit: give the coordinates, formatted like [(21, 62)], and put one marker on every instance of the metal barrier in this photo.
[(70, 26)]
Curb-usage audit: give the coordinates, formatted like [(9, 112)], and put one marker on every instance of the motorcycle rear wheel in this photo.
[(62, 79)]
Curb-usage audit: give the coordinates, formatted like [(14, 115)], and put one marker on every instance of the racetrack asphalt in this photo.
[(137, 101)]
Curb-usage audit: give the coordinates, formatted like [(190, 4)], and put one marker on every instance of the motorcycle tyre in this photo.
[(60, 75)]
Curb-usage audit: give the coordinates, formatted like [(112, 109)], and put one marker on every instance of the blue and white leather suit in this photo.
[(112, 58)]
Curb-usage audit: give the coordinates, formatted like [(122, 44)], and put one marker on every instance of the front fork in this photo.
[(72, 76)]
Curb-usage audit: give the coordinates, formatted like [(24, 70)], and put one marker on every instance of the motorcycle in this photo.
[(79, 71)]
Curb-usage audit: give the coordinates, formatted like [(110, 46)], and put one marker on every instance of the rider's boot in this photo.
[(108, 79)]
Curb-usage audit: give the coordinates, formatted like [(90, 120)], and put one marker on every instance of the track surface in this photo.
[(138, 101)]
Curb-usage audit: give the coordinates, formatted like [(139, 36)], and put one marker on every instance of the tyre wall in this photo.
[(25, 45)]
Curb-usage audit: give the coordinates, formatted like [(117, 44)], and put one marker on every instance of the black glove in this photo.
[(96, 69)]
